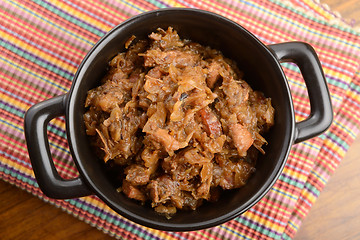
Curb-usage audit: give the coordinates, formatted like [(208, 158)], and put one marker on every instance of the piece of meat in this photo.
[(213, 74), (211, 122), (150, 158), (137, 175), (132, 192), (241, 137), (162, 188), (105, 97), (232, 174), (238, 174), (236, 94)]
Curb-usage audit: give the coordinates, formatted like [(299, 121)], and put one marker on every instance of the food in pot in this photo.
[(176, 123)]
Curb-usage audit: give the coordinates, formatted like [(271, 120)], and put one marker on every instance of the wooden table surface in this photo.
[(335, 215)]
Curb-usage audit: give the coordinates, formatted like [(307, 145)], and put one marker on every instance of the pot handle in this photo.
[(321, 114), (35, 126)]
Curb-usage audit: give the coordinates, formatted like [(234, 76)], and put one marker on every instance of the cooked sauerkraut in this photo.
[(177, 122)]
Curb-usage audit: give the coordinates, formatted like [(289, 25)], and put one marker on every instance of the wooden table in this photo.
[(335, 215)]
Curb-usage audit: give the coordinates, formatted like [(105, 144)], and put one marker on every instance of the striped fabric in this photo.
[(43, 42)]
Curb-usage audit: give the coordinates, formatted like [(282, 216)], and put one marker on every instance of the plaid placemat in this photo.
[(43, 42)]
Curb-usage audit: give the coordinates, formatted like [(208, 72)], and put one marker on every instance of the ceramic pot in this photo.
[(261, 65)]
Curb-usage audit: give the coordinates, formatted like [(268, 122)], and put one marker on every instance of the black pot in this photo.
[(263, 72)]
